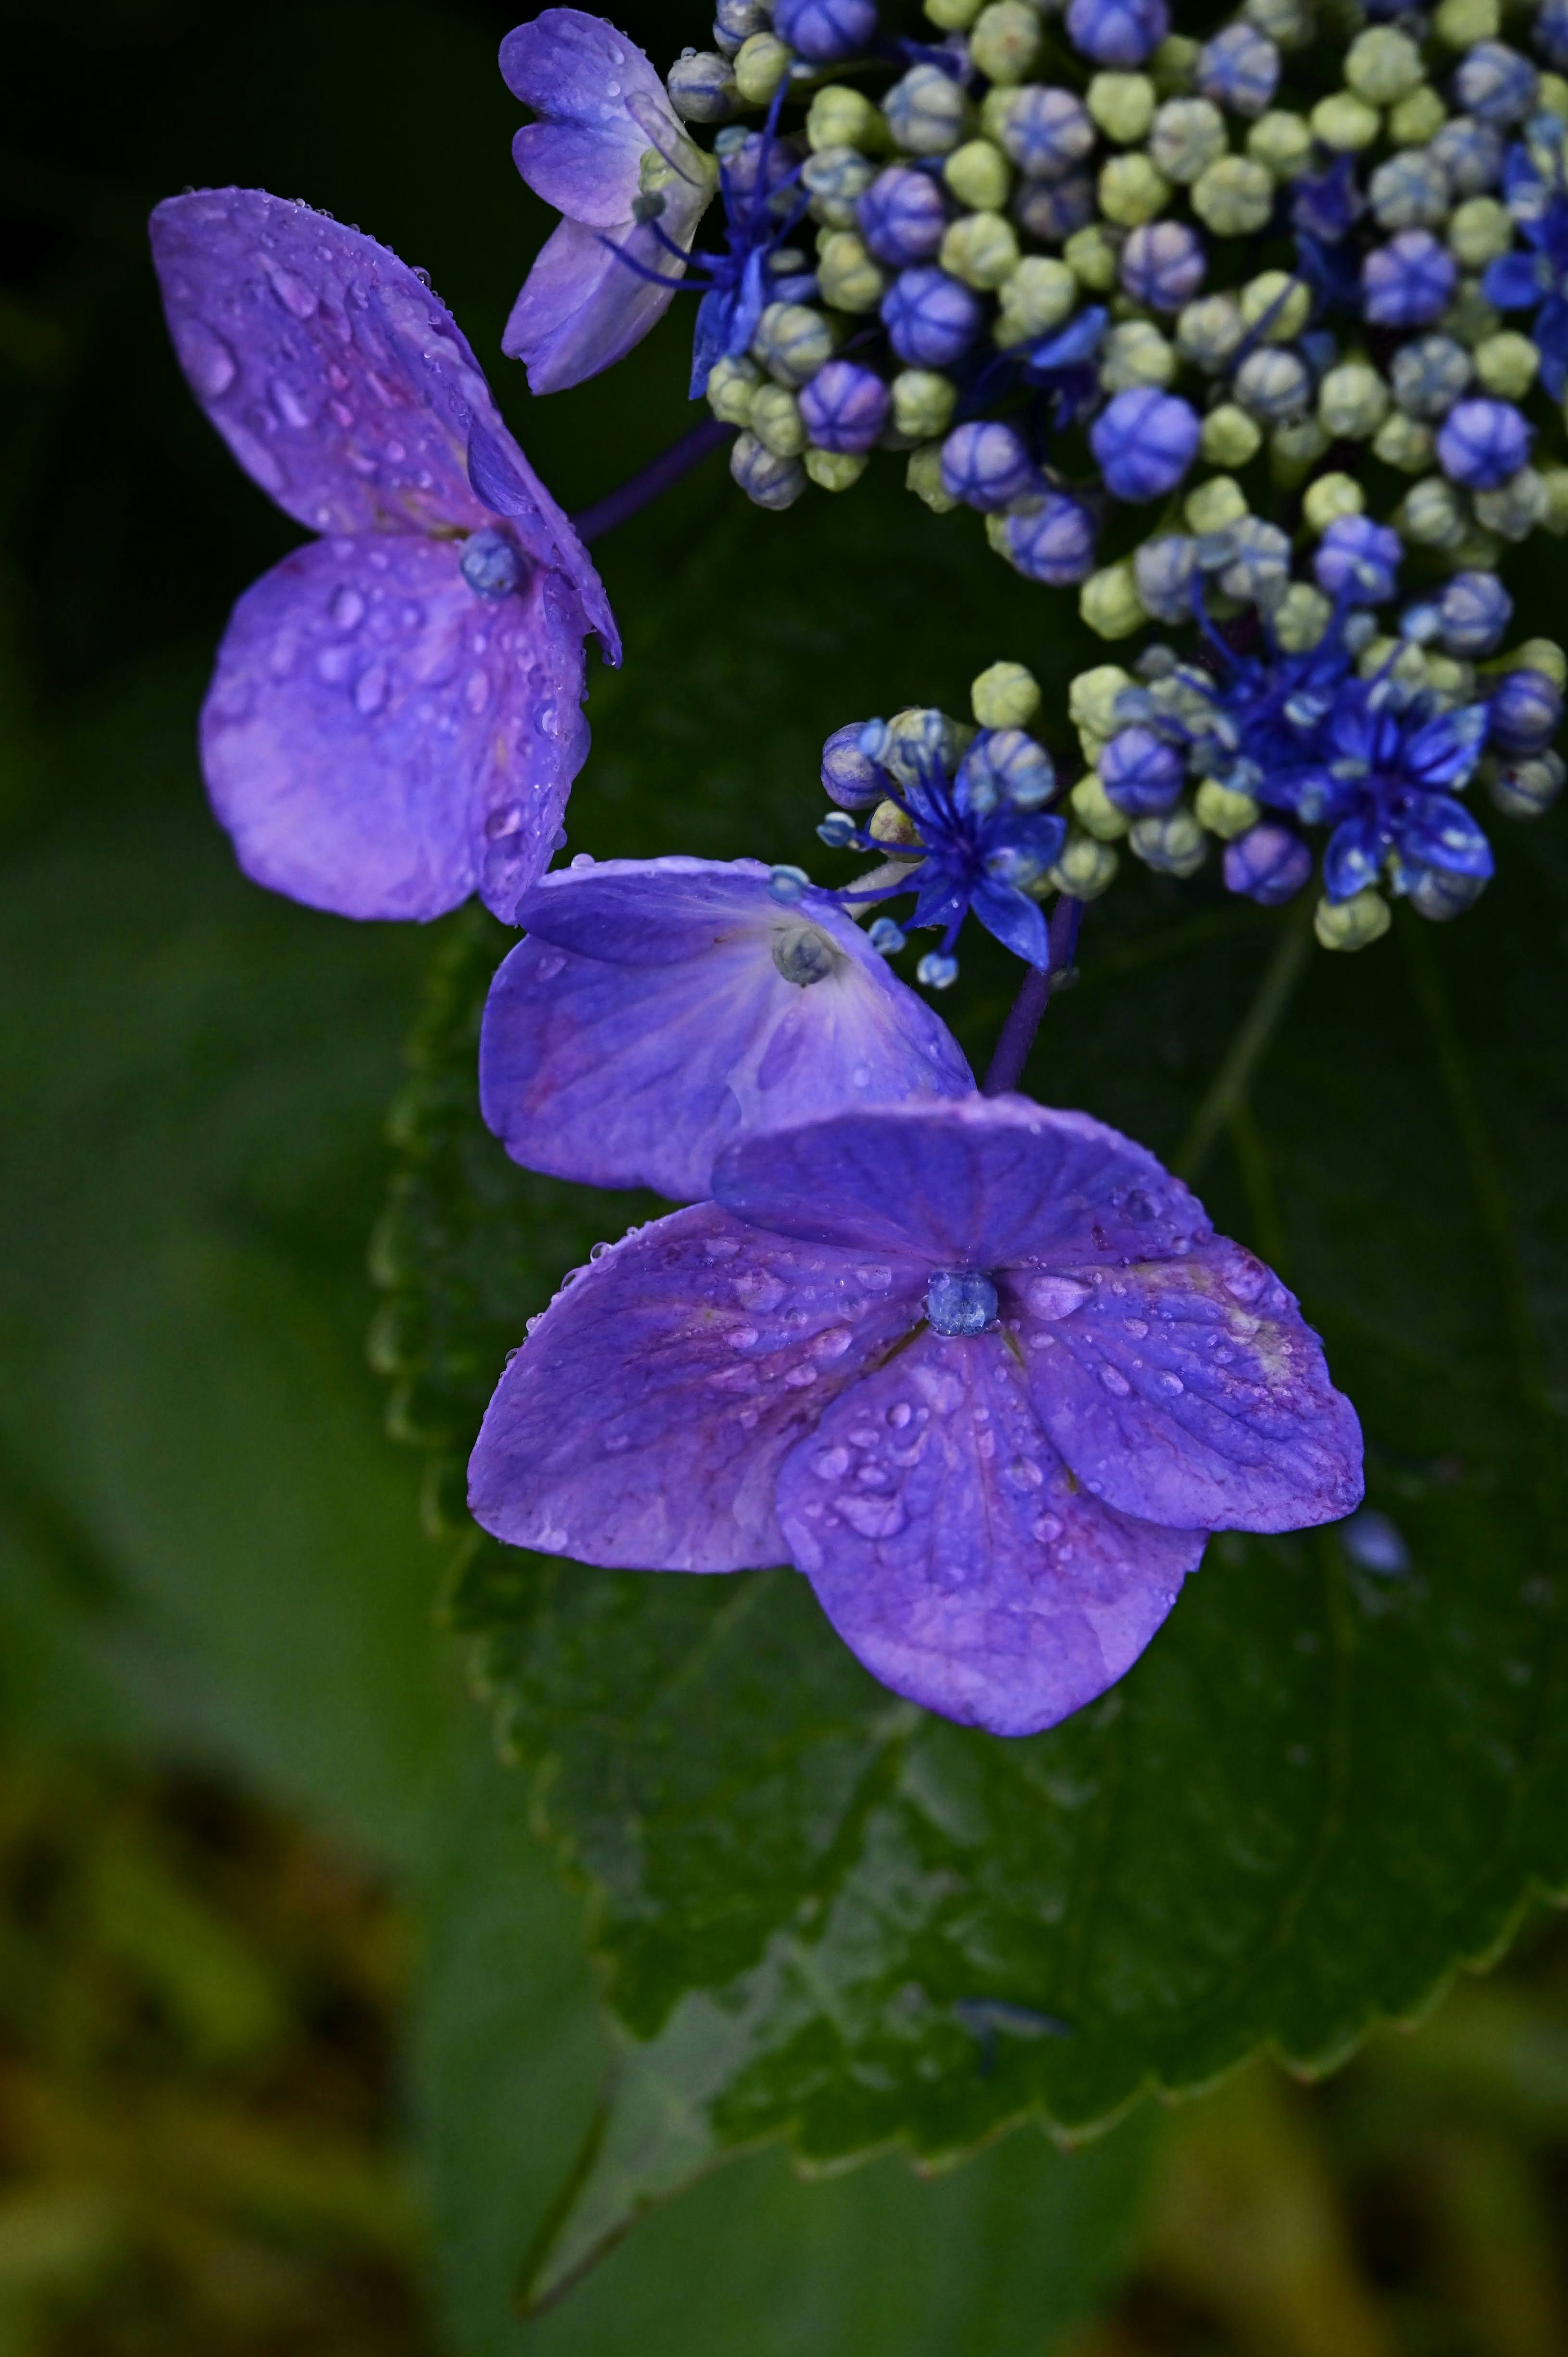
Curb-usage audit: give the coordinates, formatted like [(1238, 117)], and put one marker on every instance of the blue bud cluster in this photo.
[(1081, 266)]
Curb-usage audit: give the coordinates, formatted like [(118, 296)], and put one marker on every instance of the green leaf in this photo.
[(1320, 1789)]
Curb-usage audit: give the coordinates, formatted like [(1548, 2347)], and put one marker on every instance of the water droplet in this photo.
[(741, 1338), (758, 1289), (615, 1441), (1115, 1382), (1139, 1326), (207, 361), (597, 1251), (748, 1418), (1242, 1324), (503, 822), (1023, 1474), (1246, 1277), (1171, 1383), (798, 1378), (372, 692), (348, 609), (832, 1343), (875, 1278), (333, 664), (1045, 1527), (1055, 1297), (872, 1518), (477, 691), (293, 406), (831, 1464), (549, 966), (899, 1414), (292, 292), (721, 1247)]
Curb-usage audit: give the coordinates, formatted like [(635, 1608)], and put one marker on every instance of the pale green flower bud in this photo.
[(768, 482), (1301, 618), (923, 402), (979, 175), (1507, 364), (1479, 230), (1527, 789), (1294, 447), (1418, 118), (1273, 384), (918, 734), (1135, 353), (1353, 401), (1174, 64), (1005, 696), (1229, 436), (1383, 66), (927, 111), (1403, 441), (848, 277), (835, 178), (1404, 661), (1286, 22), (953, 15), (1005, 41), (1345, 123), (1433, 514), (1515, 511), (1186, 135), (1086, 868), (1123, 104), (1537, 654), (1224, 812), (1132, 191), (1448, 677), (1095, 811), (1092, 701), (1352, 924), (701, 87), (732, 389), (836, 470), (1038, 296), (762, 64), (1460, 23), (792, 341), (1277, 304), (842, 117), (1214, 505), (981, 249), (1328, 498), (924, 478), (1109, 601), (1551, 96), (1234, 196), (1208, 332), (1173, 843), (776, 422), (1555, 519), (1282, 144), (1091, 255), (1471, 317)]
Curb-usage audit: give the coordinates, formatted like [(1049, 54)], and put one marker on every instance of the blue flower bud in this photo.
[(838, 830), (1273, 385), (1551, 33), (490, 565), (927, 111), (959, 1301), (1528, 789), (1483, 443), (1045, 132), (986, 464), (1051, 539), (1525, 713), (1471, 153), (846, 406), (1360, 560), (825, 30), (701, 87), (1429, 375), (1268, 864), (1408, 282), (1144, 442), (1473, 612), (736, 20), (1440, 893), (1141, 773), (1162, 265), (886, 938), (903, 216), (1118, 32), (1054, 210), (1496, 84), (1238, 70), (1409, 191), (1006, 765), (849, 774), (1256, 566), (1163, 571), (936, 971), (931, 319), (786, 885)]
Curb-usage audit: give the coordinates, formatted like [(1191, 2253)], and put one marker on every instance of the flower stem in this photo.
[(1232, 1082), (1034, 997), (593, 522)]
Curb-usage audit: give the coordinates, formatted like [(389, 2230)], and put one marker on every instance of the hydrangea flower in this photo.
[(660, 1008), (981, 1371), (395, 718), (1385, 776), (1537, 194), (610, 153)]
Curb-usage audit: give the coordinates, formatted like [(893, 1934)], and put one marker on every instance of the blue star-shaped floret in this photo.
[(1537, 280)]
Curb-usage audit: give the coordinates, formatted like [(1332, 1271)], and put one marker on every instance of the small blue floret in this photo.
[(960, 1302)]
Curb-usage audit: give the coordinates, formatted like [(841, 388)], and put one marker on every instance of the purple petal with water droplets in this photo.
[(590, 175), (953, 1554), (380, 741), (643, 1423), (645, 1022), (582, 309), (574, 68), (1190, 1392), (985, 1183)]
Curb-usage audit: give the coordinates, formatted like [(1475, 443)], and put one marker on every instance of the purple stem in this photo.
[(1034, 997), (656, 476)]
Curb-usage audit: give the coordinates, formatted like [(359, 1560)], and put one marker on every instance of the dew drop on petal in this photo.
[(872, 1518), (875, 1276), (798, 1378), (1115, 1382), (348, 609), (832, 1343), (1171, 1383), (207, 361), (1055, 1297), (721, 1247), (899, 1414), (741, 1338), (1023, 1474), (831, 1464)]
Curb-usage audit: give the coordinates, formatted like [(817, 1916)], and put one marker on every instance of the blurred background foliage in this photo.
[(296, 2037)]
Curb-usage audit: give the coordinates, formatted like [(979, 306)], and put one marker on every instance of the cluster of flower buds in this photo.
[(1070, 267)]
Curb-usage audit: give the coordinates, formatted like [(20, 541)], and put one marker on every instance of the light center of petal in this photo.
[(960, 1302), (490, 565), (803, 955)]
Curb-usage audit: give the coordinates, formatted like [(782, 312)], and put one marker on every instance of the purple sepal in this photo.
[(884, 1508), (649, 1018), (381, 742), (1269, 864)]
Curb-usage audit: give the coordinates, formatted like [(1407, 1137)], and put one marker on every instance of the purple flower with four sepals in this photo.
[(1047, 131), (844, 406), (1269, 864), (605, 123), (1359, 561), (824, 31), (1483, 443), (1145, 441), (1496, 84), (1536, 187), (1238, 70), (931, 319), (660, 1008), (1526, 711), (983, 840), (1117, 32), (1386, 776), (1408, 282), (987, 463), (1162, 265), (981, 1371), (903, 216), (395, 718), (1141, 773), (1051, 539)]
